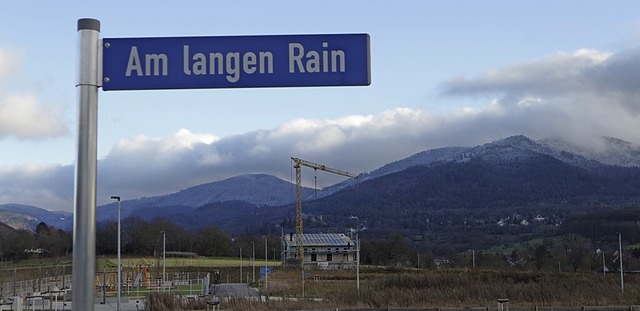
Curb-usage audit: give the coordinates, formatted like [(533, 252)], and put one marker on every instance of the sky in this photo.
[(443, 73)]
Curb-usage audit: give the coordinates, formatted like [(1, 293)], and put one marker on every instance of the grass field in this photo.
[(170, 262), (382, 287)]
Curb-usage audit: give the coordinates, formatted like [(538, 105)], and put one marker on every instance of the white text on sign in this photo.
[(233, 64)]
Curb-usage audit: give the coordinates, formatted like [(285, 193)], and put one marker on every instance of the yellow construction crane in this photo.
[(297, 164)]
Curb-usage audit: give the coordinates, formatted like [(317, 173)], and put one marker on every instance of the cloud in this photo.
[(577, 96), (21, 115), (46, 186), (587, 93), (589, 76), (549, 77), (8, 62)]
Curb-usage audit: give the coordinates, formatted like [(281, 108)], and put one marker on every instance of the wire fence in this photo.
[(186, 283), (40, 285)]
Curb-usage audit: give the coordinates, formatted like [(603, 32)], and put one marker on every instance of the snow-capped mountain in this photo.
[(607, 151), (519, 148)]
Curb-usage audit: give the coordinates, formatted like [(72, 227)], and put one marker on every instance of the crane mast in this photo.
[(298, 163)]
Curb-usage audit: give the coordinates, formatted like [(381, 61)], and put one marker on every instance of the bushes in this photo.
[(397, 288), (166, 301), (456, 288)]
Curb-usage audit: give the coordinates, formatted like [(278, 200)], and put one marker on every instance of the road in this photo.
[(236, 290)]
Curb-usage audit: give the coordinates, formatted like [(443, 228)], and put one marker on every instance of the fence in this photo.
[(28, 287), (188, 283), (185, 283)]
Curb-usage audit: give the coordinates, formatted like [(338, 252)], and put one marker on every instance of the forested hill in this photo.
[(478, 183), (483, 187)]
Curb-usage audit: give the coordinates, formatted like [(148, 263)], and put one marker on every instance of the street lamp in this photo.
[(115, 197), (164, 251), (266, 272), (357, 251), (253, 260)]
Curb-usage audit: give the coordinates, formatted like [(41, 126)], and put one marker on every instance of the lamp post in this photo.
[(358, 260), (357, 251), (266, 272), (115, 197), (164, 251), (253, 260), (621, 273)]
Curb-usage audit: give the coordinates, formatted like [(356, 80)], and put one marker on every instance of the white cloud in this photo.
[(21, 115), (46, 186), (585, 75), (584, 93), (9, 62), (551, 76), (577, 95)]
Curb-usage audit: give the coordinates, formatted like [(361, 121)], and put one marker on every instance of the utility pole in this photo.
[(266, 269), (621, 273), (164, 265)]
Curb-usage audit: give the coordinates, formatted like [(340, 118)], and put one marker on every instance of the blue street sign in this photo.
[(236, 62), (262, 271)]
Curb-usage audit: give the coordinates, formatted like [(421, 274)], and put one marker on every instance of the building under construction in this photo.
[(327, 251)]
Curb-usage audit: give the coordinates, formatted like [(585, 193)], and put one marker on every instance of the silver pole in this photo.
[(621, 273), (164, 263), (473, 258), (104, 285), (84, 219), (119, 265), (358, 259), (240, 264), (119, 262), (266, 271), (253, 260)]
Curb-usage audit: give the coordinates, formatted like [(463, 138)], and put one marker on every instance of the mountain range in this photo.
[(451, 184), (25, 217)]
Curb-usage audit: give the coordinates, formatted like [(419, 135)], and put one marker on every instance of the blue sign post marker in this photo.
[(236, 62)]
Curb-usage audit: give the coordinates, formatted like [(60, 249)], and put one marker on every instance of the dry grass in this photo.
[(429, 289)]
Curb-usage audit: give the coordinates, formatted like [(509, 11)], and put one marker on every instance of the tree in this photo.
[(51, 241), (139, 238), (394, 249), (105, 233), (540, 256), (212, 241), (17, 242), (42, 229), (577, 249)]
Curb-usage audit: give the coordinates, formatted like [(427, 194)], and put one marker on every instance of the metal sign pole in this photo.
[(84, 220)]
